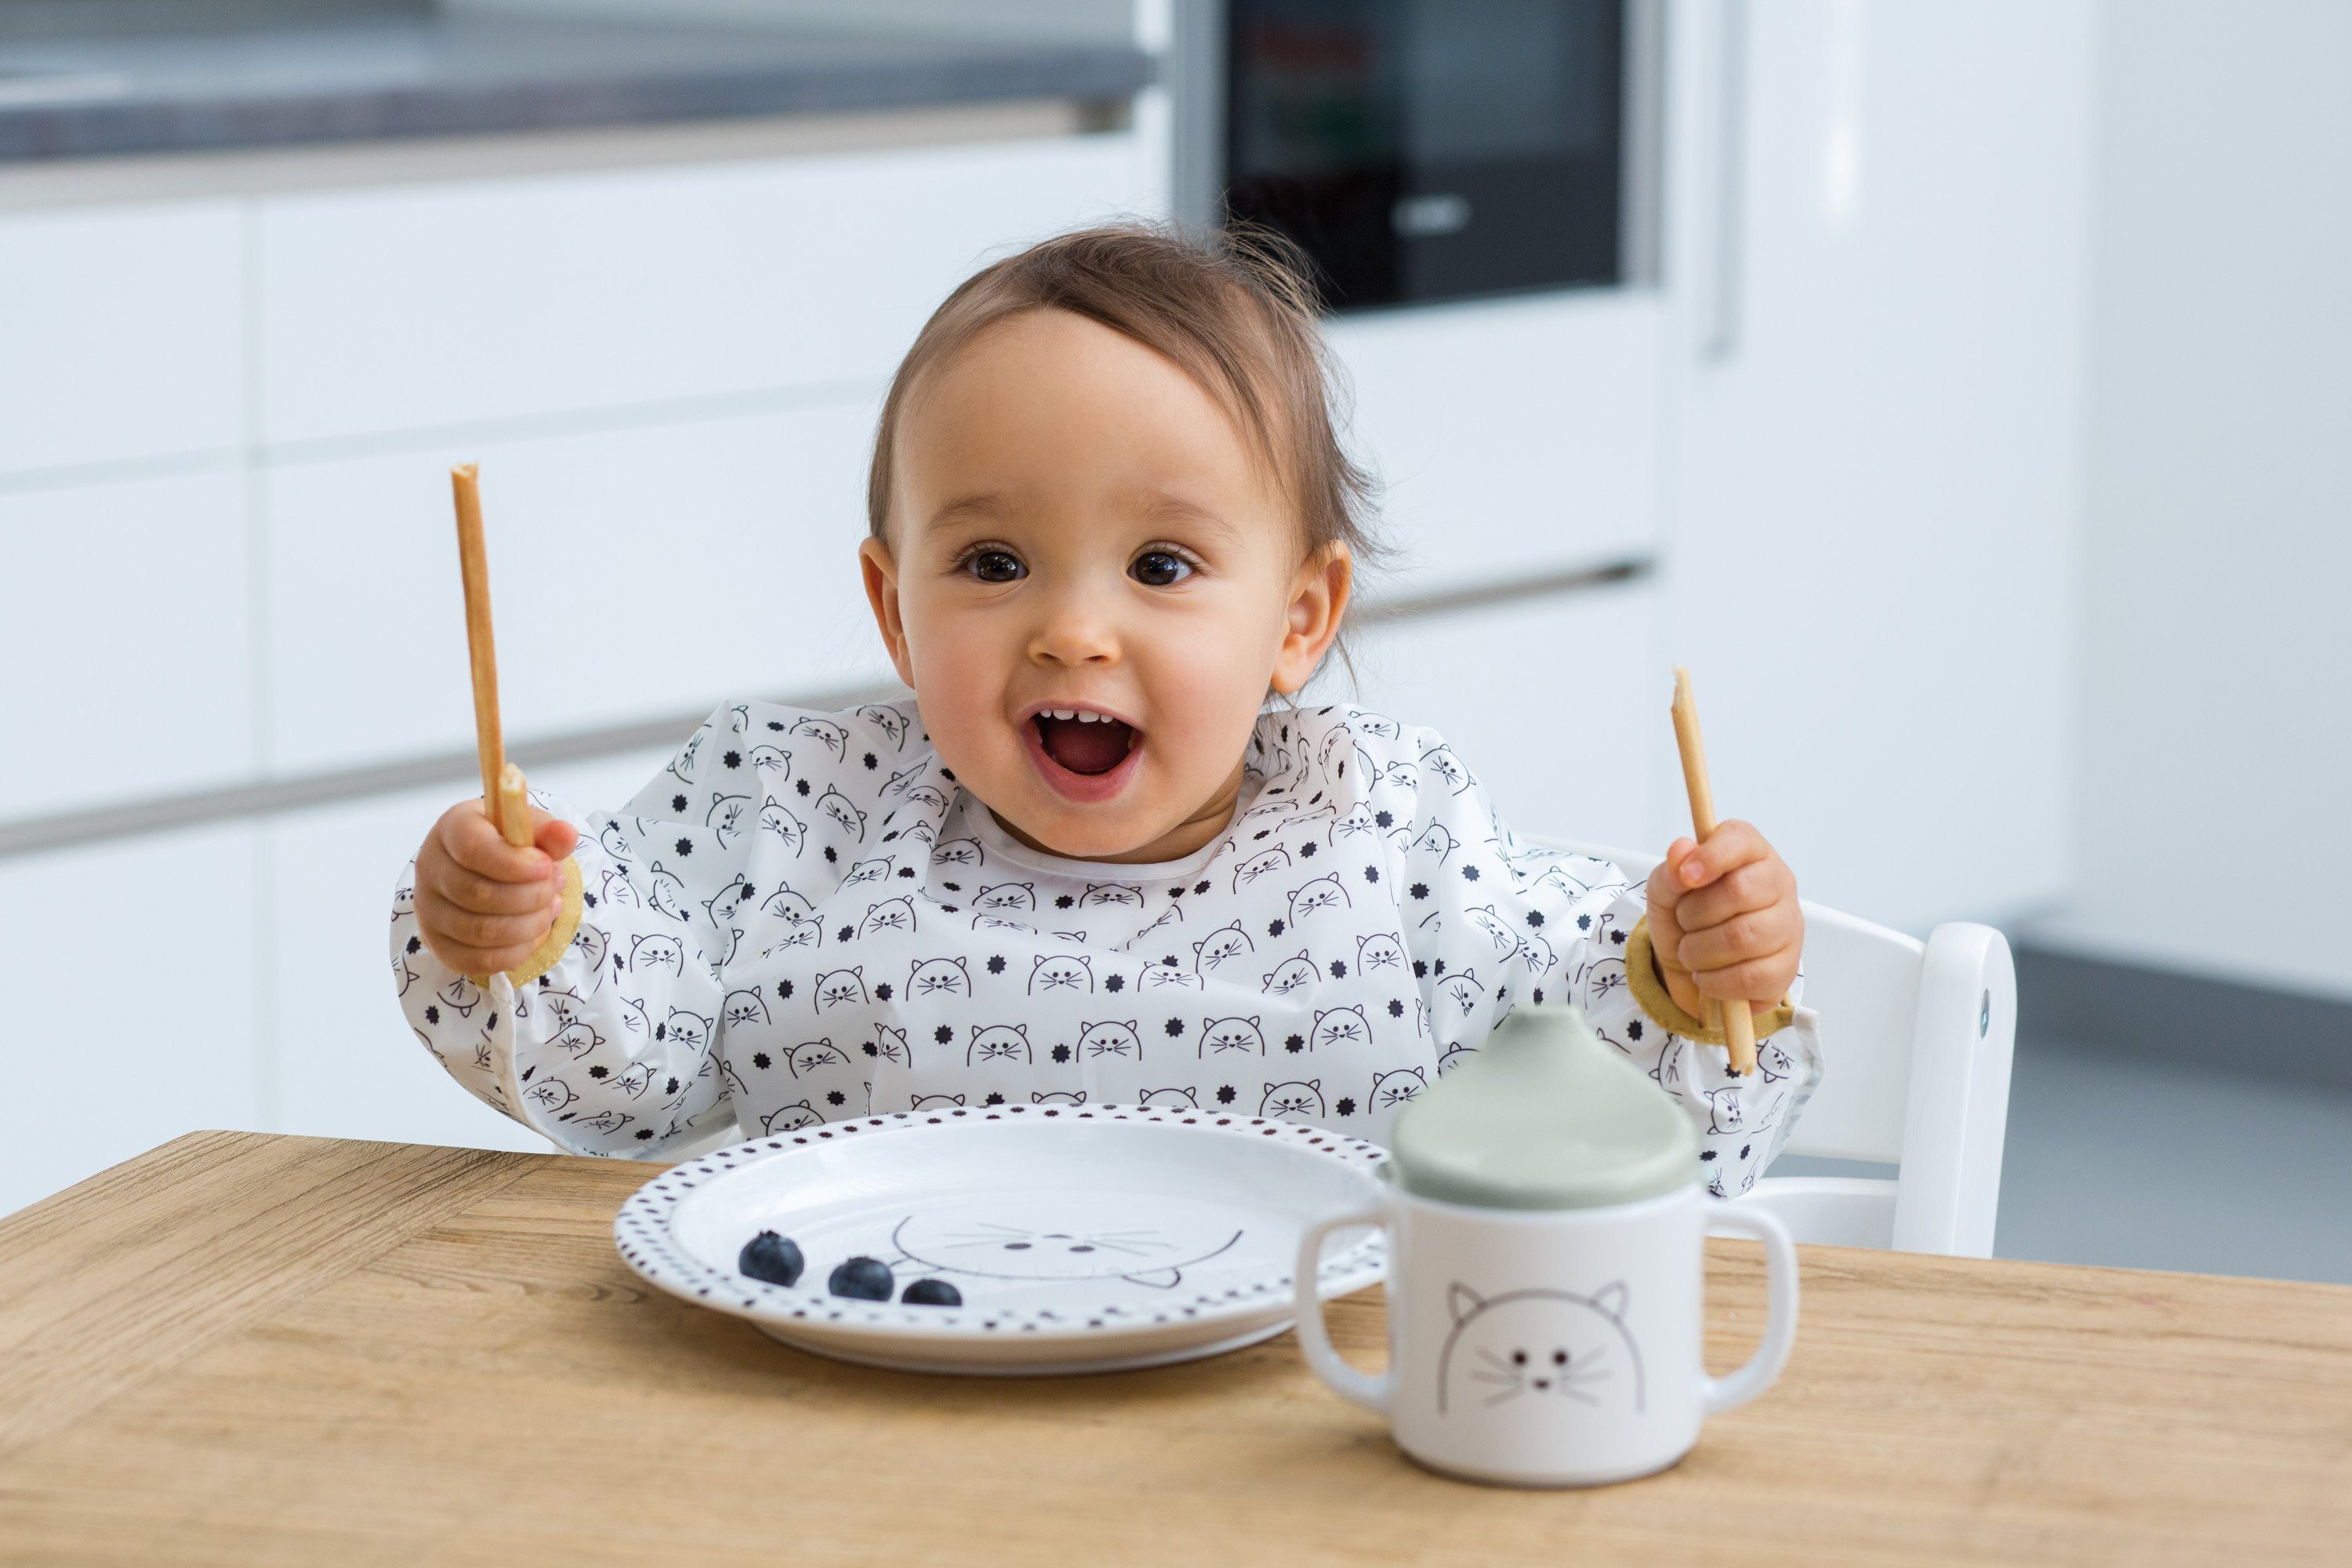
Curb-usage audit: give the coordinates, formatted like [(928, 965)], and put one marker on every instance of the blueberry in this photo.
[(773, 1257), (932, 1293), (867, 1279)]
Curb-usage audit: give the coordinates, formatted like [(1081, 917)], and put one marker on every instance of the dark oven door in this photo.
[(1430, 149)]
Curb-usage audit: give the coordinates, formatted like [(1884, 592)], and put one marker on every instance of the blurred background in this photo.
[(1959, 388)]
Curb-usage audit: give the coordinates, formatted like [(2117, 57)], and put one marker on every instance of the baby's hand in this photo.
[(481, 903), (1724, 921)]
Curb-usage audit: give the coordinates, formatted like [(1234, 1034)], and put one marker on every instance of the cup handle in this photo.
[(1314, 1336), (1722, 1393)]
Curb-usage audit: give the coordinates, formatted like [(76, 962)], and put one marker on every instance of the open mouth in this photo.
[(1082, 752)]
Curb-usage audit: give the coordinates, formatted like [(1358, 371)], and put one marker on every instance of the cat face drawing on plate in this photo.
[(1027, 1245), (840, 988), (1060, 973), (1290, 975), (1551, 1345), (939, 977), (1301, 1102), (1111, 1041)]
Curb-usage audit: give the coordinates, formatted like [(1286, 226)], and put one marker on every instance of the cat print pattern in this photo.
[(805, 918)]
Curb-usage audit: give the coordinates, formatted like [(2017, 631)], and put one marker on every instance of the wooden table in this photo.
[(257, 1350)]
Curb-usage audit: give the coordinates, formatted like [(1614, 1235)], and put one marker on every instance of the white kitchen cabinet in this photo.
[(1552, 701), (634, 573), (132, 1016), (1511, 437), (121, 335), (1872, 561), (442, 306), (126, 639)]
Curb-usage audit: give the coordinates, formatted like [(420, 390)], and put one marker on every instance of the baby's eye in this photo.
[(1159, 569), (995, 566)]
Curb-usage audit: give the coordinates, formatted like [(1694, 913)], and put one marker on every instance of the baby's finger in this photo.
[(1665, 888), (1758, 980), (555, 837), (1757, 934), (468, 833), (477, 894), (1731, 845), (1758, 885)]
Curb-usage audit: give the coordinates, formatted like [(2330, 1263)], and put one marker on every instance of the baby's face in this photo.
[(1078, 527)]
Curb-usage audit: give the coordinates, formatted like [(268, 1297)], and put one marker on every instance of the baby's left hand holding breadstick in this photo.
[(1724, 920), (482, 904)]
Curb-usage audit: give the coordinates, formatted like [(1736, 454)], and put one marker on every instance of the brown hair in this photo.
[(1238, 316)]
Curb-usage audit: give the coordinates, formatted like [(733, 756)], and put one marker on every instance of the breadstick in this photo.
[(1738, 1023)]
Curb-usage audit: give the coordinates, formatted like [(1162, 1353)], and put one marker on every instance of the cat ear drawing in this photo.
[(1609, 1300), (1461, 1301)]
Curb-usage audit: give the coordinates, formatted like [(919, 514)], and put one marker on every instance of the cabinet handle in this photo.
[(1720, 340)]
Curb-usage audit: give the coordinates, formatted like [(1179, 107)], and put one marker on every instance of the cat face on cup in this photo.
[(1549, 1345)]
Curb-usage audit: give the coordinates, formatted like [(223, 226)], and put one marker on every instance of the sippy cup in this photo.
[(1546, 1266)]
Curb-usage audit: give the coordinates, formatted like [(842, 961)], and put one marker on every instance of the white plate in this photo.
[(1082, 1239)]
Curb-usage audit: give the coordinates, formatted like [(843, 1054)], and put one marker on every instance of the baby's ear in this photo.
[(1461, 1301)]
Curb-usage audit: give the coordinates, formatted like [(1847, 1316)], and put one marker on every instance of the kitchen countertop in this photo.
[(374, 77), (252, 1350)]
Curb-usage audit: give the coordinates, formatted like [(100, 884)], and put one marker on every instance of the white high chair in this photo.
[(1915, 1041)]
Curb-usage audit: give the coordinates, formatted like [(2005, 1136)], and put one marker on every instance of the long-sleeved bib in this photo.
[(804, 917)]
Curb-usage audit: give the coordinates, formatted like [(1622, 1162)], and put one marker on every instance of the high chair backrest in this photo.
[(1915, 1040)]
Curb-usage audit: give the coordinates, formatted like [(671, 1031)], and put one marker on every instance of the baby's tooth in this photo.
[(1087, 718)]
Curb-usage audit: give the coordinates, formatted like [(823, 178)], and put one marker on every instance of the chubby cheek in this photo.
[(959, 671)]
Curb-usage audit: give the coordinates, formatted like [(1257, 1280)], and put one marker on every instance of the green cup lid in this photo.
[(1547, 1116)]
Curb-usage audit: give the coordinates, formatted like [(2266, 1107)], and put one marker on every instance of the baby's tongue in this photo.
[(1089, 748)]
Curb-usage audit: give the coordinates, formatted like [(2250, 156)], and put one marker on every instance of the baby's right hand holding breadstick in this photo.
[(483, 904)]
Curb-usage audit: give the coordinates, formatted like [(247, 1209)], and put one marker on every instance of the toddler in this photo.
[(1101, 854)]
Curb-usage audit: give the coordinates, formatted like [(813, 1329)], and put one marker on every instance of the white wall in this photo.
[(2216, 656)]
